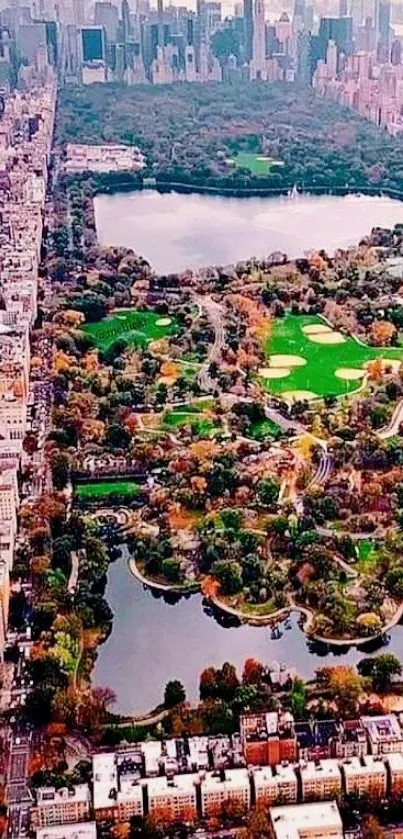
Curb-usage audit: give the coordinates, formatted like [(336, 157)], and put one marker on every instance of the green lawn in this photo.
[(258, 164), (193, 415), (103, 489), (366, 556), (263, 429), (318, 374), (137, 328)]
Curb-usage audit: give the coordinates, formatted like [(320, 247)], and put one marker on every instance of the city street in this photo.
[(18, 793)]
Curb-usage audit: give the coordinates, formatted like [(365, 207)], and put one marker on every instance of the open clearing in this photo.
[(320, 375), (196, 416), (258, 164), (136, 328), (94, 490), (264, 429)]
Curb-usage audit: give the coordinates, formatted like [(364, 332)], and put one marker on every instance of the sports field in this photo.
[(137, 328), (307, 358), (95, 490), (258, 164)]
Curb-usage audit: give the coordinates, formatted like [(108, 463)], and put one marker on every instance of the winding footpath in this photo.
[(393, 428), (214, 312)]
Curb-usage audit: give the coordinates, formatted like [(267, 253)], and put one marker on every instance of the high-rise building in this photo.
[(396, 53), (259, 41), (304, 60), (248, 29), (331, 59), (382, 25), (299, 10), (31, 37), (107, 15), (93, 43), (339, 30)]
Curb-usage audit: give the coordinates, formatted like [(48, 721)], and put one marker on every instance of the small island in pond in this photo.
[(240, 426)]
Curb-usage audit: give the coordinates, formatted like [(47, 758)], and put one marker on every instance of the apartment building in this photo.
[(307, 821), (394, 763), (365, 776), (129, 800), (9, 495), (268, 738), (4, 602), (81, 830), (218, 788), (175, 797), (274, 785), (117, 795), (384, 734), (61, 806), (351, 741), (320, 780), (314, 739)]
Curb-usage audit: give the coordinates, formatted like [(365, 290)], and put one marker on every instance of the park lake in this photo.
[(155, 639)]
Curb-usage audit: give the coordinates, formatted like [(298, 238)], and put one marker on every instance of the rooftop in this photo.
[(80, 830), (395, 761), (382, 728), (105, 780), (163, 785), (368, 765), (320, 769), (50, 795), (292, 821), (236, 778)]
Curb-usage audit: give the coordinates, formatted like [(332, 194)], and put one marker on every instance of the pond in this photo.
[(175, 231), (153, 641)]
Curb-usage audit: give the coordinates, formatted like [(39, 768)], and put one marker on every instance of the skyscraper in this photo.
[(107, 15), (248, 28), (304, 68), (331, 59), (93, 43), (339, 30), (382, 24), (299, 9), (259, 41)]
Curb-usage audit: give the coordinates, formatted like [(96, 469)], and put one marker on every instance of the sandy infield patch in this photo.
[(349, 373), (286, 361), (274, 372), (296, 395), (163, 322), (316, 329), (327, 338)]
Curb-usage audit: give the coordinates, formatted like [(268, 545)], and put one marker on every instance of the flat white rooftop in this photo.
[(178, 784), (296, 819), (234, 779), (80, 830), (323, 769), (369, 765), (105, 780)]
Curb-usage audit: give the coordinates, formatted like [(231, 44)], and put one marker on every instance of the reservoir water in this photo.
[(176, 231), (153, 641)]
